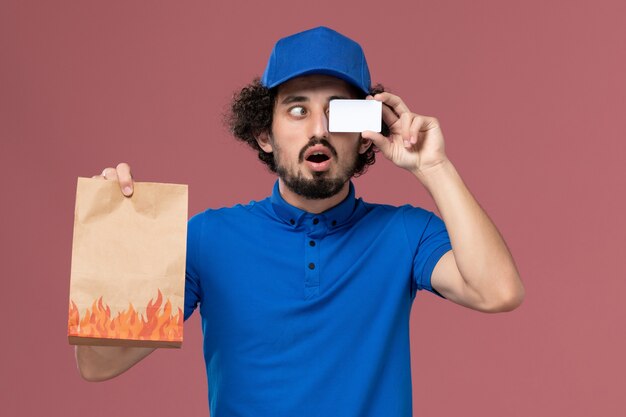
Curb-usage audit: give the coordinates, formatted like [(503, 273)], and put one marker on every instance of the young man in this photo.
[(305, 296)]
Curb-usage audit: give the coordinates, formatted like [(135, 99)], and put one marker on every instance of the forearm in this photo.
[(481, 255), (99, 363)]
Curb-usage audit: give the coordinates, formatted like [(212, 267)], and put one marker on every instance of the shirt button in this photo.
[(312, 243), (316, 220), (334, 222), (292, 221), (311, 265)]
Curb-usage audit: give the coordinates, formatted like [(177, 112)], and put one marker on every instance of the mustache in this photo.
[(317, 141)]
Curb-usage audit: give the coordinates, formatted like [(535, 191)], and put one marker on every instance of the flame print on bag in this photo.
[(157, 324)]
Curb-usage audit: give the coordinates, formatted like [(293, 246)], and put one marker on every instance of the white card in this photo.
[(355, 115)]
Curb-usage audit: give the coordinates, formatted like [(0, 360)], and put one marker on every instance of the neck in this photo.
[(312, 206)]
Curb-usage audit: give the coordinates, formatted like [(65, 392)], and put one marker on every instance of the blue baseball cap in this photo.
[(317, 51)]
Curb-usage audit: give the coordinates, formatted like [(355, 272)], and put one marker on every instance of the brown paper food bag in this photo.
[(128, 265)]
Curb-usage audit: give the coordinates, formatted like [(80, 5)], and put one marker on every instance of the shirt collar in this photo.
[(335, 216)]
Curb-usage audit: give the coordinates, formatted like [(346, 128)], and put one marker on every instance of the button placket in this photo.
[(315, 232)]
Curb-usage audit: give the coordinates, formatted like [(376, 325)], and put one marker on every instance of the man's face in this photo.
[(309, 160)]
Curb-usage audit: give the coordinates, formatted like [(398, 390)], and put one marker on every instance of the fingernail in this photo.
[(128, 190)]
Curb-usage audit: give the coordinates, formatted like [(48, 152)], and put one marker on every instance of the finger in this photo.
[(394, 102), (125, 178), (405, 127), (109, 174), (381, 142), (416, 125), (389, 117)]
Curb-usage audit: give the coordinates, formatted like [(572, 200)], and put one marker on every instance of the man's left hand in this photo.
[(415, 142)]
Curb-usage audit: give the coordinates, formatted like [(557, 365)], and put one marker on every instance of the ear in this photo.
[(364, 144), (263, 139)]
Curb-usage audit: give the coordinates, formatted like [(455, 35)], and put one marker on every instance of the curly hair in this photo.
[(251, 113)]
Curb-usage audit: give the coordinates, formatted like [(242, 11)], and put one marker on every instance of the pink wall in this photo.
[(531, 96)]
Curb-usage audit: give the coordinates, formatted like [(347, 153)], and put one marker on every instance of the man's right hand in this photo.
[(99, 363), (122, 175)]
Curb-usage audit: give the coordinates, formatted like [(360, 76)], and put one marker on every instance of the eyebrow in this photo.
[(302, 99), (294, 99)]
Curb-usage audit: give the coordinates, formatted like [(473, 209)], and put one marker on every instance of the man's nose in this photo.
[(320, 125)]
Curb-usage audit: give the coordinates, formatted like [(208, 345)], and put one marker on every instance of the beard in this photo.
[(322, 185), (317, 188)]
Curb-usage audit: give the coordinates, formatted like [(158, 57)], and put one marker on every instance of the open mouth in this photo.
[(317, 157)]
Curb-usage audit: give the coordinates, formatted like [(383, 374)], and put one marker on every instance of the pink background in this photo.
[(531, 98)]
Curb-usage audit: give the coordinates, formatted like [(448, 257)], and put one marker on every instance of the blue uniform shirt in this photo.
[(308, 314)]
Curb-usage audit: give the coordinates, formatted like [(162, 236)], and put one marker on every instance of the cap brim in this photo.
[(322, 71)]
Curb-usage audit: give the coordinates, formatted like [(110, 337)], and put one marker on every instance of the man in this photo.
[(305, 296)]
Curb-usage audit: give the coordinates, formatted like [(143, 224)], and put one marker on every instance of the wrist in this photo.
[(435, 173)]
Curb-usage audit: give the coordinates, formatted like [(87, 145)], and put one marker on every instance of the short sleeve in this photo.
[(429, 241), (192, 279)]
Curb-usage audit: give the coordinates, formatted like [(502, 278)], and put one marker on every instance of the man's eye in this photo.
[(297, 111)]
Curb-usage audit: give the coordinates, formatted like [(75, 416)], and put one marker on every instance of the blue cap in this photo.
[(317, 51)]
